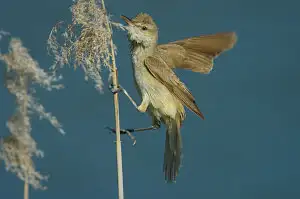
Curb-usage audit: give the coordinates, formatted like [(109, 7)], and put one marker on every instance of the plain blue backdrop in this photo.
[(248, 146)]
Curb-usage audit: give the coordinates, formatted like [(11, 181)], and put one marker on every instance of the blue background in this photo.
[(248, 146)]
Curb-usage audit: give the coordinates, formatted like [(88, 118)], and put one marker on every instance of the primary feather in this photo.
[(197, 53)]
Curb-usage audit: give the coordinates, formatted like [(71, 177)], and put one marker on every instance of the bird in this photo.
[(164, 96)]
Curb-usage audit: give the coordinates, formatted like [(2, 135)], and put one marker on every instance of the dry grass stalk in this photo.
[(17, 150), (114, 75)]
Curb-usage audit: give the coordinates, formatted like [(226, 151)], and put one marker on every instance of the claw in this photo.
[(115, 90), (124, 131)]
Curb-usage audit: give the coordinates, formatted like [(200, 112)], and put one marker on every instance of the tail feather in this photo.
[(173, 145)]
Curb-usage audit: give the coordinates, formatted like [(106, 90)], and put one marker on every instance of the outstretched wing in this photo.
[(197, 53), (159, 70)]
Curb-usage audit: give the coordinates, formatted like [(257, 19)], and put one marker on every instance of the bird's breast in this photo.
[(144, 80), (162, 101)]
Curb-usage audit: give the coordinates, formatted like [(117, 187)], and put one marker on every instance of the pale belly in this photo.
[(162, 104)]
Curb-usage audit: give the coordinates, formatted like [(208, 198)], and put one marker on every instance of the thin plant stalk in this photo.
[(26, 190), (117, 117), (24, 111), (92, 48)]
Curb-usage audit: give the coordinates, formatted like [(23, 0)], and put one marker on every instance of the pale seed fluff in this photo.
[(85, 42)]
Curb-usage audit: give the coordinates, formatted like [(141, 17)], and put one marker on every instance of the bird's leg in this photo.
[(154, 126), (121, 89), (142, 107), (126, 131)]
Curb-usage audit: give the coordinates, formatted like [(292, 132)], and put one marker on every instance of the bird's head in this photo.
[(142, 29)]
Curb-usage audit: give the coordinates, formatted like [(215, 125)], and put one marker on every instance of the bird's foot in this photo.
[(124, 131), (115, 89)]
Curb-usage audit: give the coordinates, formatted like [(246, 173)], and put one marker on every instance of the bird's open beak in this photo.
[(127, 20)]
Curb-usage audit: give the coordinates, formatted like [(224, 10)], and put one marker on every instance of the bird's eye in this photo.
[(144, 28)]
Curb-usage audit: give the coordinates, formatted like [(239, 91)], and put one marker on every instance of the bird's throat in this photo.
[(140, 53)]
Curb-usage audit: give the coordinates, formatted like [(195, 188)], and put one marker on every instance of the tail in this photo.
[(173, 145)]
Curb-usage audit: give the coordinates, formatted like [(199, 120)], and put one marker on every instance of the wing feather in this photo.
[(158, 68), (197, 53)]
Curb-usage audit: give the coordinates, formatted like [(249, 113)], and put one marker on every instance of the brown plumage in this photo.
[(197, 53), (163, 94), (160, 70)]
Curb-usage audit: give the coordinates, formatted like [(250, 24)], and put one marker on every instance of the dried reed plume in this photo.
[(85, 42), (18, 160), (17, 150)]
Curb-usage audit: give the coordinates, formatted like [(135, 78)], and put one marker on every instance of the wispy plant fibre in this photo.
[(85, 42)]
